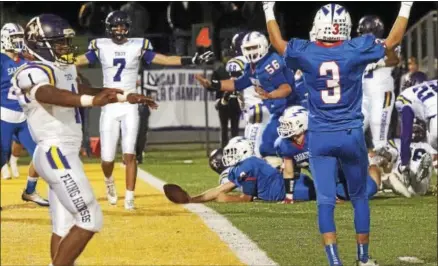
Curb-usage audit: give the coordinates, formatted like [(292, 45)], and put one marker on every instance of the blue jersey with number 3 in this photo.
[(333, 77), (8, 67), (269, 73)]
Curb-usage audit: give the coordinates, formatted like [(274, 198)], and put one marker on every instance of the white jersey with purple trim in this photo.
[(249, 94), (120, 62), (417, 151), (49, 125), (422, 98)]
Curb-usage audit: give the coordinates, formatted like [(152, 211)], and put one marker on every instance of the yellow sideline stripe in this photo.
[(157, 233)]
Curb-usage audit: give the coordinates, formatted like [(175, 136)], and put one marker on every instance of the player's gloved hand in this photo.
[(268, 5), (405, 9), (409, 4), (199, 59), (373, 66)]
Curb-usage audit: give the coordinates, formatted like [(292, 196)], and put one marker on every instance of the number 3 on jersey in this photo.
[(332, 94), (121, 62)]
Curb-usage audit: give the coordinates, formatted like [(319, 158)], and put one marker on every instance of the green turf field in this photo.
[(288, 233)]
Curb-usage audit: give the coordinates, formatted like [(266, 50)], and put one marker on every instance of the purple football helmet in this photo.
[(414, 79), (371, 24), (49, 37), (115, 19)]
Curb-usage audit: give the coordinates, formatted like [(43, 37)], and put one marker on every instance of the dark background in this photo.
[(298, 15)]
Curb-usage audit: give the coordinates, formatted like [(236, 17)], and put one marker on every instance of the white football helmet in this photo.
[(332, 23), (312, 34), (236, 152), (293, 122), (12, 38), (254, 46)]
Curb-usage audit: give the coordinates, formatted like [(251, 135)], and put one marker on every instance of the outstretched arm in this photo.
[(399, 28), (213, 194), (197, 59), (215, 85), (281, 92), (273, 28)]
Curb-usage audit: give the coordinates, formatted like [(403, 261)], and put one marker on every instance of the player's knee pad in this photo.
[(90, 216)]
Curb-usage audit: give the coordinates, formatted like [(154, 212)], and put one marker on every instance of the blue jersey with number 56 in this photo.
[(269, 73), (333, 77), (8, 67)]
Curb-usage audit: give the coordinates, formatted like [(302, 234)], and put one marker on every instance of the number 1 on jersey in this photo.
[(122, 63), (333, 92)]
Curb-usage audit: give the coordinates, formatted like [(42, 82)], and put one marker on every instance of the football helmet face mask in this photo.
[(254, 46), (49, 37), (12, 38), (117, 25), (215, 161), (293, 122), (418, 131), (332, 22), (371, 24), (236, 152)]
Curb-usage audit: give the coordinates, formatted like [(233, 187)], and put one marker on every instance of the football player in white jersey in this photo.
[(378, 87), (121, 57), (255, 112), (49, 86), (422, 160), (418, 101)]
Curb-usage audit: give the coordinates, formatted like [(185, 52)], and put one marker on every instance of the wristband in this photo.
[(121, 98), (269, 14), (215, 85), (405, 11), (87, 100), (186, 60)]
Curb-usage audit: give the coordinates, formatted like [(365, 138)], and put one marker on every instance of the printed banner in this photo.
[(181, 100)]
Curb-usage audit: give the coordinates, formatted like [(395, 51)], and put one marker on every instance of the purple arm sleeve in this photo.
[(91, 56), (407, 121)]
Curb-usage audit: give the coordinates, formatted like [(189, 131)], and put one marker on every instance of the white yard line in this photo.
[(245, 249)]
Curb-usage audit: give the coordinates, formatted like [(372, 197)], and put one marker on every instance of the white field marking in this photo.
[(245, 249)]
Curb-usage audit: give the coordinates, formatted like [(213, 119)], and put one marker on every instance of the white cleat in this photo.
[(111, 193), (5, 172), (424, 167), (14, 170), (370, 262), (398, 186), (129, 205), (34, 197)]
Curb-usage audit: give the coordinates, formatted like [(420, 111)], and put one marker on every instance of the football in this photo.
[(176, 194)]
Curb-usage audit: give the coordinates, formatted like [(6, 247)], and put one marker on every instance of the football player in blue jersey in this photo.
[(293, 147), (333, 67), (265, 70), (13, 120)]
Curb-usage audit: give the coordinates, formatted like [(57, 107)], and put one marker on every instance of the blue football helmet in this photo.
[(117, 25), (371, 24), (49, 37), (414, 79)]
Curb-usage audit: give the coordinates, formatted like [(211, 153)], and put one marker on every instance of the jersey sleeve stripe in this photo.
[(46, 69), (403, 99), (239, 62), (145, 44)]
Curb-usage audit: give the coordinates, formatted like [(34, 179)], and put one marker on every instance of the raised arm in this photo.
[(273, 28), (399, 28)]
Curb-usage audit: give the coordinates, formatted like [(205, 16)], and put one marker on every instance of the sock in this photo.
[(31, 184), (13, 159), (362, 252), (129, 195), (332, 255), (326, 218)]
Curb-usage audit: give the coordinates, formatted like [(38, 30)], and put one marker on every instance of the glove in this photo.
[(405, 9), (407, 4), (373, 66), (268, 5), (203, 58)]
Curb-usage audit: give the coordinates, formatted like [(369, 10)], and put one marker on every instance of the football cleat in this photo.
[(34, 197), (370, 262), (425, 167), (111, 193), (398, 186), (129, 205), (5, 172)]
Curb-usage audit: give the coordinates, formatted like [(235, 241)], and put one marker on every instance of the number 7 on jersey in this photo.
[(122, 63)]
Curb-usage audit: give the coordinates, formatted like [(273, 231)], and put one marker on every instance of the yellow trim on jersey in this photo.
[(403, 99), (239, 62), (257, 110), (392, 143), (388, 98), (94, 47), (145, 44), (46, 69)]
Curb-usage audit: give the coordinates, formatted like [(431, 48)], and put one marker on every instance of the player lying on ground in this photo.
[(13, 119), (422, 161), (293, 147), (418, 101), (120, 58), (267, 70), (333, 67), (49, 86)]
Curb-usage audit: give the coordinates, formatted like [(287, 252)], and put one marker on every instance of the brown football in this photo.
[(176, 194)]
